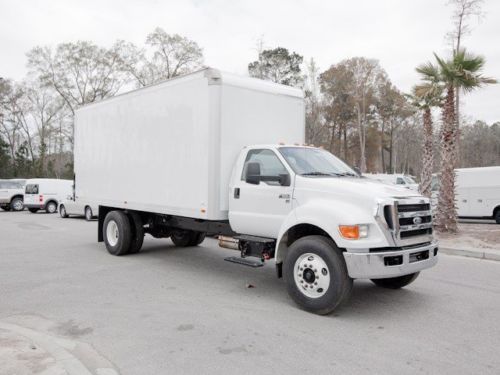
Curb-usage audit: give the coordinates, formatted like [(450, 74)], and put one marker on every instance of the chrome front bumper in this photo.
[(392, 263)]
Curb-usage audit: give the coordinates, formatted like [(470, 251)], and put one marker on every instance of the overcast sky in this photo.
[(399, 33)]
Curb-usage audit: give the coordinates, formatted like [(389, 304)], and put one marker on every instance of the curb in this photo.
[(488, 254)]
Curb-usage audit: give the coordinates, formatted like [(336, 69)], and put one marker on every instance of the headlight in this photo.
[(354, 232)]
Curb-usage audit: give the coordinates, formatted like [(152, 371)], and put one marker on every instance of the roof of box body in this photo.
[(217, 77)]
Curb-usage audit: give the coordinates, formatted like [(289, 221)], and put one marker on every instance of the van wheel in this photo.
[(183, 238), (116, 233), (137, 232), (396, 282), (88, 213), (316, 274), (62, 211), (17, 204), (33, 210), (51, 207)]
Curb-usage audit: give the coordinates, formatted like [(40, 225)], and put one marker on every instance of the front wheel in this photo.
[(62, 212), (88, 213), (316, 274), (51, 207), (396, 282), (497, 216)]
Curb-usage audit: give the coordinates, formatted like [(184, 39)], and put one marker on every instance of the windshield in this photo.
[(409, 180), (315, 162)]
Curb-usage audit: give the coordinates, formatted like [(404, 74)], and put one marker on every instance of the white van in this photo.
[(477, 192), (11, 194), (72, 205), (394, 179), (46, 193)]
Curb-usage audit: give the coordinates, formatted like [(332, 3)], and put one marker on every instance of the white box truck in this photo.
[(201, 154)]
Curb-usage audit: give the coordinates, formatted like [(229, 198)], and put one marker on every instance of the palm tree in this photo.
[(463, 72), (425, 96)]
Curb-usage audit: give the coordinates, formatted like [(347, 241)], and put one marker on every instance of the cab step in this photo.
[(245, 261)]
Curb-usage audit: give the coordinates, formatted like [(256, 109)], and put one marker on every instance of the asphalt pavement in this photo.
[(67, 306)]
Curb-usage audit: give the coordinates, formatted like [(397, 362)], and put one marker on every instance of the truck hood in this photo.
[(352, 188)]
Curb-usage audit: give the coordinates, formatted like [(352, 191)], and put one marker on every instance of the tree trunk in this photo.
[(428, 156), (446, 216)]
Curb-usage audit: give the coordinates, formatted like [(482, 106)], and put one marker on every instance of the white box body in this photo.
[(170, 148)]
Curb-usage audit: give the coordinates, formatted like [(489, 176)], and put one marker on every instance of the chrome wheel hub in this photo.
[(311, 275), (112, 233)]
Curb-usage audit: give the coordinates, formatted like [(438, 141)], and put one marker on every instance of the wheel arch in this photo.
[(495, 210), (17, 196), (295, 232)]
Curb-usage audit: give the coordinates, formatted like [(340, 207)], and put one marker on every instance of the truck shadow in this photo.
[(207, 261)]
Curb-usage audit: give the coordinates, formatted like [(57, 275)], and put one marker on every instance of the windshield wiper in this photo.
[(320, 174), (348, 174)]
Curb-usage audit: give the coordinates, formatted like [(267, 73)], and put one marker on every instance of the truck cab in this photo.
[(281, 192)]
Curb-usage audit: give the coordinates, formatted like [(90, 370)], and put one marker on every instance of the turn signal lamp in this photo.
[(354, 232)]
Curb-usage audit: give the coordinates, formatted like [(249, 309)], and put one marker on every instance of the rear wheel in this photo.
[(116, 233), (316, 274), (88, 213), (185, 238), (17, 204), (137, 232), (396, 282), (497, 216), (51, 207), (33, 210), (62, 211)]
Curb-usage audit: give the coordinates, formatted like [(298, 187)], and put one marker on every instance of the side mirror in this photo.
[(252, 173), (285, 180)]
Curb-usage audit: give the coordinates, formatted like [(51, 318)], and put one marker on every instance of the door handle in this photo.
[(236, 193), (284, 196), (464, 200), (480, 200)]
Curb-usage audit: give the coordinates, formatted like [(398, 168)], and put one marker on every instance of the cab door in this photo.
[(260, 209)]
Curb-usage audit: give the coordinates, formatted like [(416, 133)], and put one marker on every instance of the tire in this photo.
[(6, 208), (137, 233), (497, 216), (62, 211), (183, 238), (88, 213), (17, 204), (197, 238), (51, 208), (316, 274), (117, 233), (396, 282), (33, 210)]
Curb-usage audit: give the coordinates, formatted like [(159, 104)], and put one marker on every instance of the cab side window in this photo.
[(270, 164), (400, 181)]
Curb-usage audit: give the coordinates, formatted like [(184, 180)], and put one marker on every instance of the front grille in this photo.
[(408, 220), (414, 220), (414, 207)]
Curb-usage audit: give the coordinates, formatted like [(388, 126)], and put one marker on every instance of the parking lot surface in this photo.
[(67, 306)]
